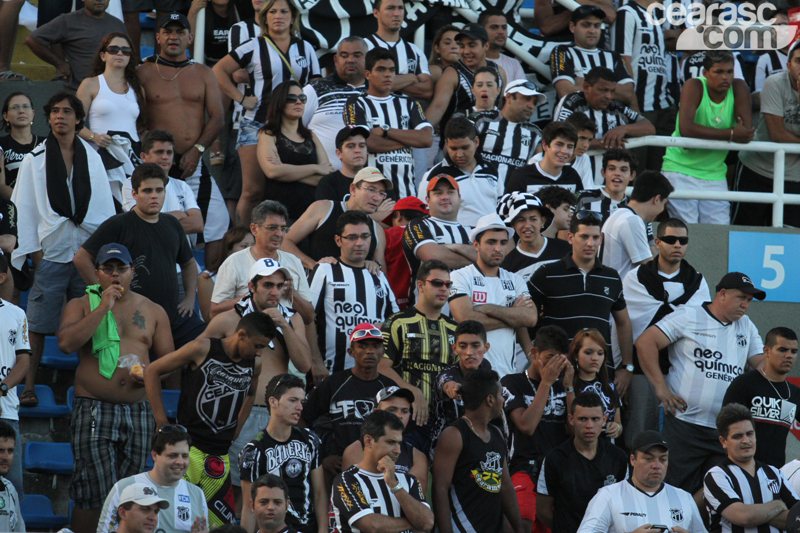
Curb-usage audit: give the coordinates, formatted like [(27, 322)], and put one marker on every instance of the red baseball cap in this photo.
[(434, 180), (365, 331), (409, 202)]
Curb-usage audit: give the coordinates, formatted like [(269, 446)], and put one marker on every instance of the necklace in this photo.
[(718, 117), (469, 423), (173, 77), (788, 389)]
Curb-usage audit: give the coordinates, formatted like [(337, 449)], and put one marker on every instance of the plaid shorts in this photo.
[(110, 441)]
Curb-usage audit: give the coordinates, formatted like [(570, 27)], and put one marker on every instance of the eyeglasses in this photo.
[(108, 270), (293, 98), (585, 215), (373, 190), (114, 50), (275, 227), (672, 239), (371, 332), (439, 283), (172, 428), (354, 238), (18, 107)]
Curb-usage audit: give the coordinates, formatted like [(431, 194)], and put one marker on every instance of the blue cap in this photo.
[(111, 251)]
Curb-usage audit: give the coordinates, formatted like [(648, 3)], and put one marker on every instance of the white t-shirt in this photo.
[(186, 503), (14, 340), (11, 513), (625, 241), (502, 291), (512, 67), (232, 276), (622, 508), (791, 471), (706, 355)]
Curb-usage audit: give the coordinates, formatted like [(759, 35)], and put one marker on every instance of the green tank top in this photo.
[(699, 163)]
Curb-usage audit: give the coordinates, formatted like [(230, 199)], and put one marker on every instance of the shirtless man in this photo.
[(111, 416), (268, 280), (180, 92)]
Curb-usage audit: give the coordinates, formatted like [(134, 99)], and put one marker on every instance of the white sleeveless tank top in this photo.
[(113, 112)]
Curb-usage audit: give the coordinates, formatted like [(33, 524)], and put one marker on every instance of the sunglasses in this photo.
[(114, 50), (439, 283), (585, 215), (172, 428), (372, 332), (672, 239), (293, 98)]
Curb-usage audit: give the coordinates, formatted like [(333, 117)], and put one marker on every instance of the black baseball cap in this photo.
[(394, 390), (793, 519), (177, 18), (347, 132), (737, 280), (648, 439), (111, 251), (474, 31), (588, 10)]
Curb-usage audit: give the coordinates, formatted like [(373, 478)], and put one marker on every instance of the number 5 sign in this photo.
[(771, 260)]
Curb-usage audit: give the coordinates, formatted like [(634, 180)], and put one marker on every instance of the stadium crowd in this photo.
[(421, 305)]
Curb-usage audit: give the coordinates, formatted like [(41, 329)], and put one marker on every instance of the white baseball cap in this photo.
[(526, 88), (142, 494), (266, 267)]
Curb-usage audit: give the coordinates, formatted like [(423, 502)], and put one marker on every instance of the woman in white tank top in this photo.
[(112, 95)]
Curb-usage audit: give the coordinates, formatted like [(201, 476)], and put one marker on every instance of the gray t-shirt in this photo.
[(10, 513), (80, 36), (777, 98)]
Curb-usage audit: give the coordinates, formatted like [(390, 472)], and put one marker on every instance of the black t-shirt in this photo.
[(572, 480), (217, 30), (13, 154), (291, 460), (338, 405), (610, 401), (8, 217), (335, 186), (530, 179), (528, 451), (774, 409), (155, 249)]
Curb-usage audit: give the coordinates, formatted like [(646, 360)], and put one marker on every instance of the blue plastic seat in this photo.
[(47, 408), (23, 300), (200, 257), (146, 51), (170, 399), (146, 22), (48, 458), (53, 357), (38, 513), (70, 398)]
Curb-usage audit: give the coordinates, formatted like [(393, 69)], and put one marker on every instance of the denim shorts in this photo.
[(248, 132)]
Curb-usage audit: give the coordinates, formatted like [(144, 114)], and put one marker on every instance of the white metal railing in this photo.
[(778, 198), (199, 45)]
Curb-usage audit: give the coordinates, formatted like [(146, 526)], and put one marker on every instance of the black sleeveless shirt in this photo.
[(475, 500), (211, 397), (322, 243), (462, 101), (294, 195)]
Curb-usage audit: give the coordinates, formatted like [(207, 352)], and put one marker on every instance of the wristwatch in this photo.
[(629, 368), (397, 488), (3, 389), (91, 137), (385, 128), (200, 148)]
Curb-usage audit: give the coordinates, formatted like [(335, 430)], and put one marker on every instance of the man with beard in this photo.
[(11, 518), (170, 452), (180, 92), (493, 296), (270, 497)]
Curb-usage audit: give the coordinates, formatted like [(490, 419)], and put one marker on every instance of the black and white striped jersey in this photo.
[(428, 229), (692, 66), (408, 58), (569, 61), (323, 114), (358, 493), (634, 35), (508, 145), (241, 32), (267, 69), (343, 297), (728, 483), (769, 63), (399, 112)]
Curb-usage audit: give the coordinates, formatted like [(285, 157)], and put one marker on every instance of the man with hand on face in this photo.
[(11, 518), (170, 453), (373, 495), (110, 416), (575, 470), (138, 509), (741, 492), (270, 504), (772, 400), (643, 503)]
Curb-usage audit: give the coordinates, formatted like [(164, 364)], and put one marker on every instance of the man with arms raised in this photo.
[(373, 495), (180, 92), (170, 453), (289, 452), (709, 345), (216, 396), (643, 503), (493, 296), (734, 502), (772, 400), (110, 415)]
